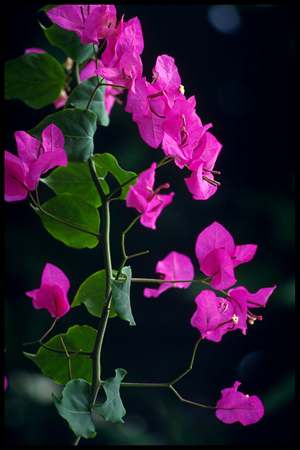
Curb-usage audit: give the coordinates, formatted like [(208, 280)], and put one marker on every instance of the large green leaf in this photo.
[(76, 179), (92, 294), (75, 211), (78, 127), (69, 42), (113, 409), (110, 163), (81, 95), (75, 408), (35, 78), (54, 365), (121, 296)]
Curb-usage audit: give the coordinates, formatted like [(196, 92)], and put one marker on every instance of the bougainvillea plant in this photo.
[(103, 54)]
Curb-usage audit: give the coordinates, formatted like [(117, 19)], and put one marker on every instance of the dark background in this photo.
[(243, 82)]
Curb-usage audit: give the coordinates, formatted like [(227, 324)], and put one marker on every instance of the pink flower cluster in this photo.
[(162, 112), (120, 62), (216, 315), (22, 172)]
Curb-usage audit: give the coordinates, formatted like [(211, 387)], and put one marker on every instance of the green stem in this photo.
[(96, 355), (125, 257), (77, 73), (190, 402), (170, 385), (156, 280)]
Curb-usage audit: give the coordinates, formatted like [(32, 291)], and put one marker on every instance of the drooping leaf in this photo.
[(92, 294), (81, 95), (76, 179), (113, 409), (78, 127), (35, 78), (121, 296), (54, 365), (73, 210), (75, 408), (109, 162)]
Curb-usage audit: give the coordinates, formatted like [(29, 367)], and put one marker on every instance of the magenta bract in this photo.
[(239, 407), (218, 255), (148, 202), (52, 295), (23, 173), (80, 18), (175, 266)]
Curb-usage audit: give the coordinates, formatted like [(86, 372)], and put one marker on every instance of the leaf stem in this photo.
[(170, 384), (125, 256)]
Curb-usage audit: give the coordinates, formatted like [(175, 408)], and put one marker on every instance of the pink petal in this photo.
[(199, 187), (28, 147), (207, 316), (136, 200), (155, 207), (47, 161), (175, 266), (68, 17), (14, 187), (150, 128), (219, 265), (243, 253), (53, 138), (167, 73), (100, 23), (52, 294), (137, 100), (156, 292), (34, 50), (53, 275), (259, 299), (239, 407), (214, 236)]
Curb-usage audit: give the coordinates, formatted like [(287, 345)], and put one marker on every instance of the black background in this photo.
[(244, 84)]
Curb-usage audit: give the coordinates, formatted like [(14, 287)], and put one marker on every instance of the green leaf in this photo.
[(110, 163), (76, 211), (76, 179), (121, 296), (81, 95), (92, 294), (113, 409), (78, 127), (35, 78), (54, 365), (75, 408)]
